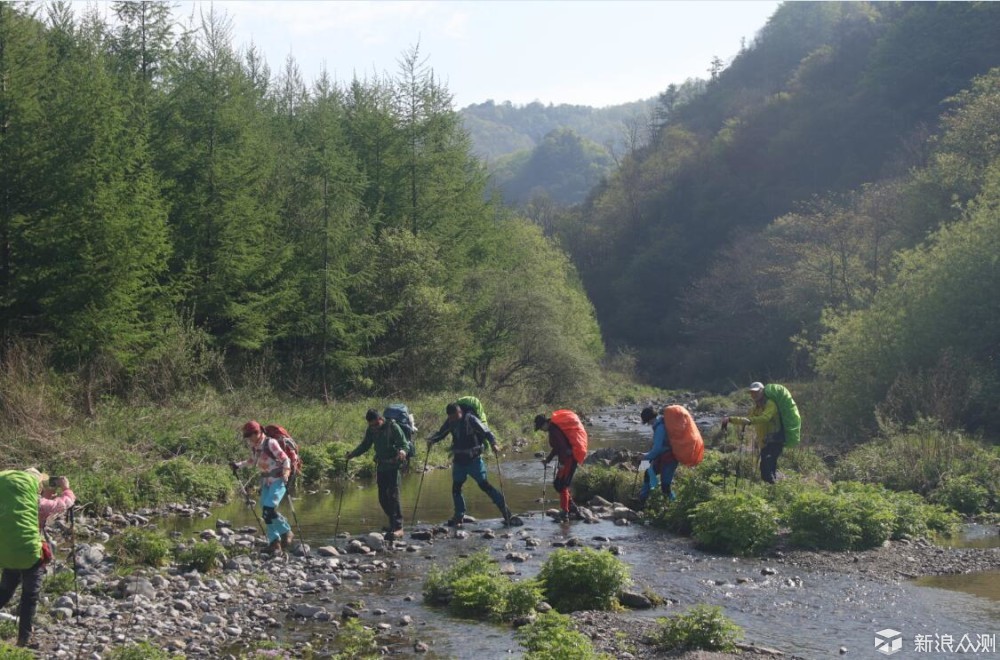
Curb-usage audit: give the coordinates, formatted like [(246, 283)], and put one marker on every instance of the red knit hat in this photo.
[(250, 428)]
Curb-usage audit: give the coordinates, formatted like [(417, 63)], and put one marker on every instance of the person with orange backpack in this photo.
[(276, 469), (662, 462), (568, 440)]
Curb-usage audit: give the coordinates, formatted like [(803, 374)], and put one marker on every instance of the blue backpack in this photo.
[(399, 413)]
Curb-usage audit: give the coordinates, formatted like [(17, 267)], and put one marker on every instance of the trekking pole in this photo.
[(340, 504), (413, 518), (545, 479), (500, 474), (295, 517), (72, 541), (249, 503)]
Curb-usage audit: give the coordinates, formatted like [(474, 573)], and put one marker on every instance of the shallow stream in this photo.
[(811, 613)]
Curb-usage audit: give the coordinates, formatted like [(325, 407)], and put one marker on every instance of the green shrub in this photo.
[(106, 488), (915, 517), (356, 642), (803, 461), (963, 494), (205, 557), (140, 546), (852, 516), (479, 596), (58, 583), (739, 523), (613, 484), (8, 629), (439, 584), (522, 597), (691, 488), (583, 579), (8, 652), (180, 479), (137, 651), (551, 636), (702, 627)]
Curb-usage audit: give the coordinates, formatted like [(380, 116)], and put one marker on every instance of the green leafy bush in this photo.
[(804, 461), (8, 629), (205, 557), (439, 584), (106, 488), (702, 627), (179, 478), (479, 596), (962, 493), (551, 636), (522, 598), (140, 546), (583, 579), (356, 642), (852, 516), (915, 517), (613, 484), (739, 523), (691, 488)]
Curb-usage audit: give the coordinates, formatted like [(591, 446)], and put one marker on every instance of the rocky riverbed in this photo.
[(300, 602)]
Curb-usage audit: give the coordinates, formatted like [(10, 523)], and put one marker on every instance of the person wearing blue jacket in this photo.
[(662, 463)]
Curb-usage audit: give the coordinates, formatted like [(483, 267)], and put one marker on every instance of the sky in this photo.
[(595, 53)]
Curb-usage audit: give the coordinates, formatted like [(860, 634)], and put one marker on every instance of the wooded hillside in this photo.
[(816, 211), (172, 213)]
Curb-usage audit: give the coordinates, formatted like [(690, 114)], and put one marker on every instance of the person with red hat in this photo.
[(276, 468)]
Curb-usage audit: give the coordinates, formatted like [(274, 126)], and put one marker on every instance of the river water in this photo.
[(806, 612)]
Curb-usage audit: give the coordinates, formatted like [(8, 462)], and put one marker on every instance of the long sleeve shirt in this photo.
[(765, 420), (388, 441), (468, 435), (271, 459), (661, 443), (55, 505), (560, 445)]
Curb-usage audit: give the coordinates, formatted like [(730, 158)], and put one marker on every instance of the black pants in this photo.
[(388, 497), (30, 580), (769, 456)]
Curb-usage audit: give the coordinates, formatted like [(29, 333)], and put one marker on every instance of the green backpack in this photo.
[(22, 540), (473, 405), (791, 421)]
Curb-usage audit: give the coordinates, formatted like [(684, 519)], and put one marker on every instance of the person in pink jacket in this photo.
[(56, 498)]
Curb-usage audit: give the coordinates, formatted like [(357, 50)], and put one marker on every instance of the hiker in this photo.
[(766, 421), (468, 436), (276, 468), (390, 457), (662, 462), (562, 449), (23, 553)]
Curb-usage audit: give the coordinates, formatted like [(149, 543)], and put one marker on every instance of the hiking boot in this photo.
[(457, 521), (286, 540), (510, 520), (564, 516), (273, 548), (396, 533)]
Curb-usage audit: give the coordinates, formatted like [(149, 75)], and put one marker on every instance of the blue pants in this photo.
[(665, 478), (270, 498), (477, 470)]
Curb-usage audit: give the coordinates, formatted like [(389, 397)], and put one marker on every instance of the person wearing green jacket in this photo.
[(22, 553), (390, 457), (766, 421)]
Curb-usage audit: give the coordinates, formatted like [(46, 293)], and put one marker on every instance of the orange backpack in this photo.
[(572, 428), (685, 438)]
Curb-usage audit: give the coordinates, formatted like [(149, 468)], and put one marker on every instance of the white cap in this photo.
[(756, 386)]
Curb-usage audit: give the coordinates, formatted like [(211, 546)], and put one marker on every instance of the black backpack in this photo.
[(399, 413)]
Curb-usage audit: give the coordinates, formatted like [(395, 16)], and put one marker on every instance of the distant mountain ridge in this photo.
[(499, 129)]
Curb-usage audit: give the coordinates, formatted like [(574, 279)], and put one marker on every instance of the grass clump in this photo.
[(851, 516), (473, 588), (9, 652), (8, 629), (356, 642), (137, 651), (205, 557), (58, 583), (135, 546), (740, 523), (613, 484), (701, 628), (552, 637), (583, 579)]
